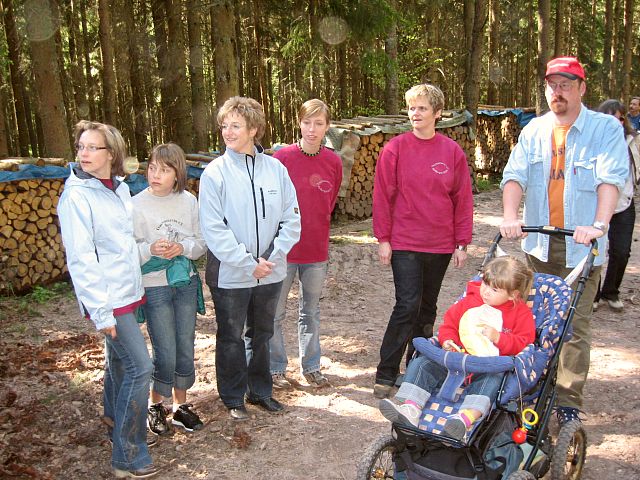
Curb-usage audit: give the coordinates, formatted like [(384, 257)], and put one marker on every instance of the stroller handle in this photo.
[(548, 230)]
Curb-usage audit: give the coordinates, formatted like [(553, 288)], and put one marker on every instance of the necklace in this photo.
[(308, 154)]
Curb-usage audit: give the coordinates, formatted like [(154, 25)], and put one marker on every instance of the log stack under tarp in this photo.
[(30, 243), (359, 141), (498, 129)]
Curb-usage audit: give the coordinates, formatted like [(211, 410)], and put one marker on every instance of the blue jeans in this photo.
[(239, 371), (417, 278), (126, 393), (424, 376), (171, 323), (311, 280)]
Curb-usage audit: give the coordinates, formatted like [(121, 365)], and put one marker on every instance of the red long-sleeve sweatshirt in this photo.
[(422, 199), (518, 325), (317, 180)]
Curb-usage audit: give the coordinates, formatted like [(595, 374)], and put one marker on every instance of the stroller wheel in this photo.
[(569, 452), (377, 460), (522, 475)]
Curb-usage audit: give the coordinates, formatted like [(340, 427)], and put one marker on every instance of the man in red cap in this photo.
[(569, 165)]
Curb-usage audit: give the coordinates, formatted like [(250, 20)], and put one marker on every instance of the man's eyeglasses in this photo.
[(90, 148), (563, 86)]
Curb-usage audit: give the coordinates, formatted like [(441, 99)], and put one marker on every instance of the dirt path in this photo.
[(50, 383)]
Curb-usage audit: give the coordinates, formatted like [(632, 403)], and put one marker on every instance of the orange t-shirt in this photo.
[(556, 176)]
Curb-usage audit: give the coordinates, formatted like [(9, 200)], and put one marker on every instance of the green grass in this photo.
[(487, 184)]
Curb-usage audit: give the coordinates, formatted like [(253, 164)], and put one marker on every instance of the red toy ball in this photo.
[(519, 436)]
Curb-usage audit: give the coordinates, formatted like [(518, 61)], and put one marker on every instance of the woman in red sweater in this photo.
[(316, 172), (422, 217), (491, 319)]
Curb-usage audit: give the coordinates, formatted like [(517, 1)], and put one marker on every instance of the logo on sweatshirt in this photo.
[(440, 168)]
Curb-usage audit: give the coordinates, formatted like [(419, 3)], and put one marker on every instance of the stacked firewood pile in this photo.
[(496, 136), (374, 133), (30, 242)]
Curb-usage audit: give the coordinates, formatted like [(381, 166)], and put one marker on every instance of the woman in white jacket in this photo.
[(97, 231), (250, 220)]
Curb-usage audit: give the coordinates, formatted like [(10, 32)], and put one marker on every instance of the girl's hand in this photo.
[(159, 247), (110, 332), (172, 250), (490, 332), (450, 346)]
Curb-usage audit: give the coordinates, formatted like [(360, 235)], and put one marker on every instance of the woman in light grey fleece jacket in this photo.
[(250, 220)]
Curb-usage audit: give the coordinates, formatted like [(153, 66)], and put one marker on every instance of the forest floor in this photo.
[(51, 381)]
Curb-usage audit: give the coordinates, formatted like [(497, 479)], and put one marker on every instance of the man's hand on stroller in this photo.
[(512, 229)]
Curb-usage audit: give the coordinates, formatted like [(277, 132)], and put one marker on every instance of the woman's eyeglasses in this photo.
[(91, 148)]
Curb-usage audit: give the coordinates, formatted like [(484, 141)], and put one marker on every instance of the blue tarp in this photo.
[(523, 117), (26, 172), (136, 182)]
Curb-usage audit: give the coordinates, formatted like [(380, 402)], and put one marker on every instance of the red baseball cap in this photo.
[(566, 66)]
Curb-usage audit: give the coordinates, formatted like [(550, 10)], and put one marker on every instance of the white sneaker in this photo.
[(406, 413), (615, 305), (595, 306)]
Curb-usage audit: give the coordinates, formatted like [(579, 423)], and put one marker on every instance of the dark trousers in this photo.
[(620, 238), (417, 278), (244, 312)]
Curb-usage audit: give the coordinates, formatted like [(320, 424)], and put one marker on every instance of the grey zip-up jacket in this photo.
[(248, 209), (102, 256)]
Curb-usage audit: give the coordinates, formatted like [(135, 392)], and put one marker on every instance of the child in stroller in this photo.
[(513, 442), (491, 319)]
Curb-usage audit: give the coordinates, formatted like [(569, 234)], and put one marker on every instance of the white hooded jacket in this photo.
[(102, 256)]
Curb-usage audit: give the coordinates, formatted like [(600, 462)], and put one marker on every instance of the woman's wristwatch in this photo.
[(461, 247)]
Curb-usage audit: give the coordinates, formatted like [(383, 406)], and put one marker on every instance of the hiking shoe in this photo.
[(316, 379), (186, 418), (280, 381), (406, 413), (380, 390), (157, 419), (145, 472), (567, 414), (615, 305)]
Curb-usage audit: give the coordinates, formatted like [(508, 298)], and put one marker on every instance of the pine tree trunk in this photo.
[(4, 133), (391, 105), (628, 50), (223, 33), (615, 50), (544, 10), (78, 84), (559, 49), (109, 105), (123, 69), (260, 70), (158, 12), (92, 90), (196, 74), (17, 80), (181, 111), (606, 47), (495, 73), (51, 111), (134, 38), (472, 84)]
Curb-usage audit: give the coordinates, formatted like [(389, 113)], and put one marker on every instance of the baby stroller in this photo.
[(488, 451)]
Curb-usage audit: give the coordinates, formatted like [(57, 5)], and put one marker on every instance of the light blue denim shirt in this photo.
[(595, 153)]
